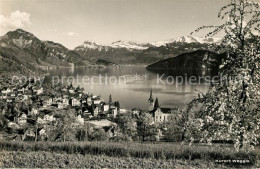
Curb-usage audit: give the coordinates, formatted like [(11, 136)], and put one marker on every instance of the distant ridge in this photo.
[(199, 61), (28, 54), (125, 52)]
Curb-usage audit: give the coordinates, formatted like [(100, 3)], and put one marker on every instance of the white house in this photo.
[(22, 119), (49, 118), (75, 102), (80, 119), (34, 111), (98, 101), (106, 107), (71, 91), (96, 111), (38, 91), (162, 114)]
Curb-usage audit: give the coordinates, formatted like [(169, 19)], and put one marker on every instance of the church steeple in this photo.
[(110, 100), (151, 96), (156, 104), (151, 101)]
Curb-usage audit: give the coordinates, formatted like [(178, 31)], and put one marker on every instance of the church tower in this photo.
[(151, 101), (156, 104), (110, 102)]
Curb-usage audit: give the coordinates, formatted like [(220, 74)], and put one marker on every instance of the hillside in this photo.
[(197, 61), (22, 52), (105, 63)]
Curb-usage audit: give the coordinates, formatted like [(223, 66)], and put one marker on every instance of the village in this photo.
[(32, 111)]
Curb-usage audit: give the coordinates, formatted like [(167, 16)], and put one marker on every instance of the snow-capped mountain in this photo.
[(130, 45), (162, 43), (127, 52), (87, 45), (188, 39), (192, 39)]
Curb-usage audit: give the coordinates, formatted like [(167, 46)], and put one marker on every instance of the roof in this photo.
[(166, 110)]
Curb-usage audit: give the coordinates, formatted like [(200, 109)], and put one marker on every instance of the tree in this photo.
[(81, 134), (117, 104), (65, 126), (230, 109), (98, 135), (145, 127), (127, 124), (174, 128)]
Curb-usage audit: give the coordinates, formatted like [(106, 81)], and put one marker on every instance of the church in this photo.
[(159, 114)]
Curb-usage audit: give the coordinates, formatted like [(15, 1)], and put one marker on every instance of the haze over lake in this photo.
[(133, 92)]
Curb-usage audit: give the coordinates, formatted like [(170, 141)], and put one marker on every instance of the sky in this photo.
[(71, 22)]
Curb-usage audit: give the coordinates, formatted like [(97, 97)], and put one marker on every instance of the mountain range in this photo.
[(142, 46), (127, 52), (23, 52)]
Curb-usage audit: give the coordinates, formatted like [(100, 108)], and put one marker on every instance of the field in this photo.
[(118, 155), (47, 159)]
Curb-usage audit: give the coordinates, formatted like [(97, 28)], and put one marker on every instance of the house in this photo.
[(74, 102), (105, 107), (136, 111), (9, 100), (20, 91), (80, 120), (97, 101), (4, 96), (123, 111), (38, 90), (113, 112), (64, 89), (49, 118), (29, 135), (96, 111), (12, 95), (8, 90), (22, 119), (89, 101), (162, 114), (71, 89), (60, 105), (26, 97), (40, 121), (87, 114), (33, 111), (19, 99), (47, 102), (79, 90), (43, 135)]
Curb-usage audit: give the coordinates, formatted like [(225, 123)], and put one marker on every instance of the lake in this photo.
[(131, 85)]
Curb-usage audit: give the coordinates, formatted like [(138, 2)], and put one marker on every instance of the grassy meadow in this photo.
[(118, 155), (41, 159)]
